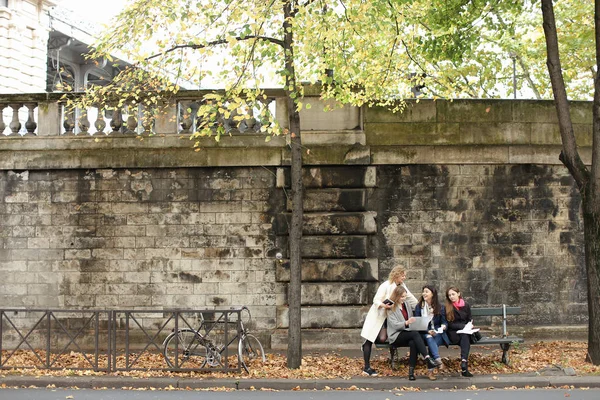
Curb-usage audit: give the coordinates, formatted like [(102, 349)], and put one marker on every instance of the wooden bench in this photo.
[(504, 341)]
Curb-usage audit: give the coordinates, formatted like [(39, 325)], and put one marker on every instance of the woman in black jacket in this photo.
[(458, 314)]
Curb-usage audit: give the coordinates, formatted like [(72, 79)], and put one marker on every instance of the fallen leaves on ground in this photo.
[(524, 359)]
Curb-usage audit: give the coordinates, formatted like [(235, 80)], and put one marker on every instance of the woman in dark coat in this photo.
[(458, 314)]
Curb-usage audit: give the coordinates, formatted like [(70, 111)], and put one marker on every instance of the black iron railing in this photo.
[(120, 340)]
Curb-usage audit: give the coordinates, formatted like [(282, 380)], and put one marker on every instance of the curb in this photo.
[(383, 383)]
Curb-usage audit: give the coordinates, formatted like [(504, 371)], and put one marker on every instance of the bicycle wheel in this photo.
[(250, 349), (188, 350)]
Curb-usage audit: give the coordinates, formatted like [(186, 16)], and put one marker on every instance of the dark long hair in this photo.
[(435, 303), (449, 305)]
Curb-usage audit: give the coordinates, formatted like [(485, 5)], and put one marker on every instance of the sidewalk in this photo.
[(384, 383), (547, 375)]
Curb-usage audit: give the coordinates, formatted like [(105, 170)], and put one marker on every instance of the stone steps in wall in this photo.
[(336, 293), (325, 246), (360, 177), (326, 316), (333, 199), (331, 223), (320, 339), (332, 270)]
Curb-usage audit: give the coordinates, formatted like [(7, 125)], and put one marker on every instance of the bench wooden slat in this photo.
[(500, 340), (494, 311)]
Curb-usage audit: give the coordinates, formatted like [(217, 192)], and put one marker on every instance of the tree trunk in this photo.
[(591, 229), (588, 183), (294, 351)]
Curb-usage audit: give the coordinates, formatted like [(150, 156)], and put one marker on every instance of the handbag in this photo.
[(475, 337)]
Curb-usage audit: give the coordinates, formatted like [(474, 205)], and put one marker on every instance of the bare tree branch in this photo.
[(216, 43)]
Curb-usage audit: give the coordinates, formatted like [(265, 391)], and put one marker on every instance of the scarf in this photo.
[(459, 304)]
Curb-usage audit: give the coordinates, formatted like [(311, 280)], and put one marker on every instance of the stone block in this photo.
[(319, 270), (329, 115), (330, 223), (495, 133), (334, 247), (412, 134), (335, 177), (482, 111), (333, 199), (335, 293), (326, 316), (385, 155), (320, 137), (422, 111)]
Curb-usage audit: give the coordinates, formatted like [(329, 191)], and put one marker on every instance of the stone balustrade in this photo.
[(46, 115)]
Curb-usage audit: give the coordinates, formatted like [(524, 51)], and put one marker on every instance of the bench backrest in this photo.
[(501, 311), (494, 311)]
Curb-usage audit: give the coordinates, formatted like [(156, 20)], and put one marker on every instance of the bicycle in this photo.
[(179, 347)]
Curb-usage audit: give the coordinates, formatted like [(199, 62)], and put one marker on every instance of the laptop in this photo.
[(420, 324)]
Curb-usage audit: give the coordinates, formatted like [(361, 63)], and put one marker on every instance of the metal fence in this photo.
[(120, 340)]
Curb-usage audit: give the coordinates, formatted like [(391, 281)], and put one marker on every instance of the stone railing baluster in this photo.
[(15, 125), (185, 116), (69, 121), (2, 124), (31, 125), (117, 121), (100, 123), (84, 123), (131, 123), (147, 117)]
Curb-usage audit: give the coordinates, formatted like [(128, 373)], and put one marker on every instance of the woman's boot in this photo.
[(464, 369), (411, 373)]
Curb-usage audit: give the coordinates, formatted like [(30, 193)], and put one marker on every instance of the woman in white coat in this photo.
[(374, 329)]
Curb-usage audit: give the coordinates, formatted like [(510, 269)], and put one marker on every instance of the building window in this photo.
[(3, 3)]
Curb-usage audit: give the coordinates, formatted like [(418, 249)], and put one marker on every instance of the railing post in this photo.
[(504, 320), (166, 121), (1, 312), (48, 315), (49, 118)]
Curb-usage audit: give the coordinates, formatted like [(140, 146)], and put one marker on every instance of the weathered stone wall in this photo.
[(469, 193), (502, 234), (143, 239)]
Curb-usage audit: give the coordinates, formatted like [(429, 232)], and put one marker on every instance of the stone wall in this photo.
[(502, 234), (469, 193), (143, 239)]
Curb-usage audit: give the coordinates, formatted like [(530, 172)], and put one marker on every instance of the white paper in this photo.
[(440, 330), (468, 329)]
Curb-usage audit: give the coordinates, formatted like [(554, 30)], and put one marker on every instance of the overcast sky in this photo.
[(94, 10)]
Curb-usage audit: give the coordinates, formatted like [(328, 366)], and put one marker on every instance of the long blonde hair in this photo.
[(396, 272), (396, 296)]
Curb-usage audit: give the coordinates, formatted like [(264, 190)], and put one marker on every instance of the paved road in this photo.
[(496, 394)]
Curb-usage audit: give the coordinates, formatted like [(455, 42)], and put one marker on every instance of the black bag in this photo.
[(475, 337)]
